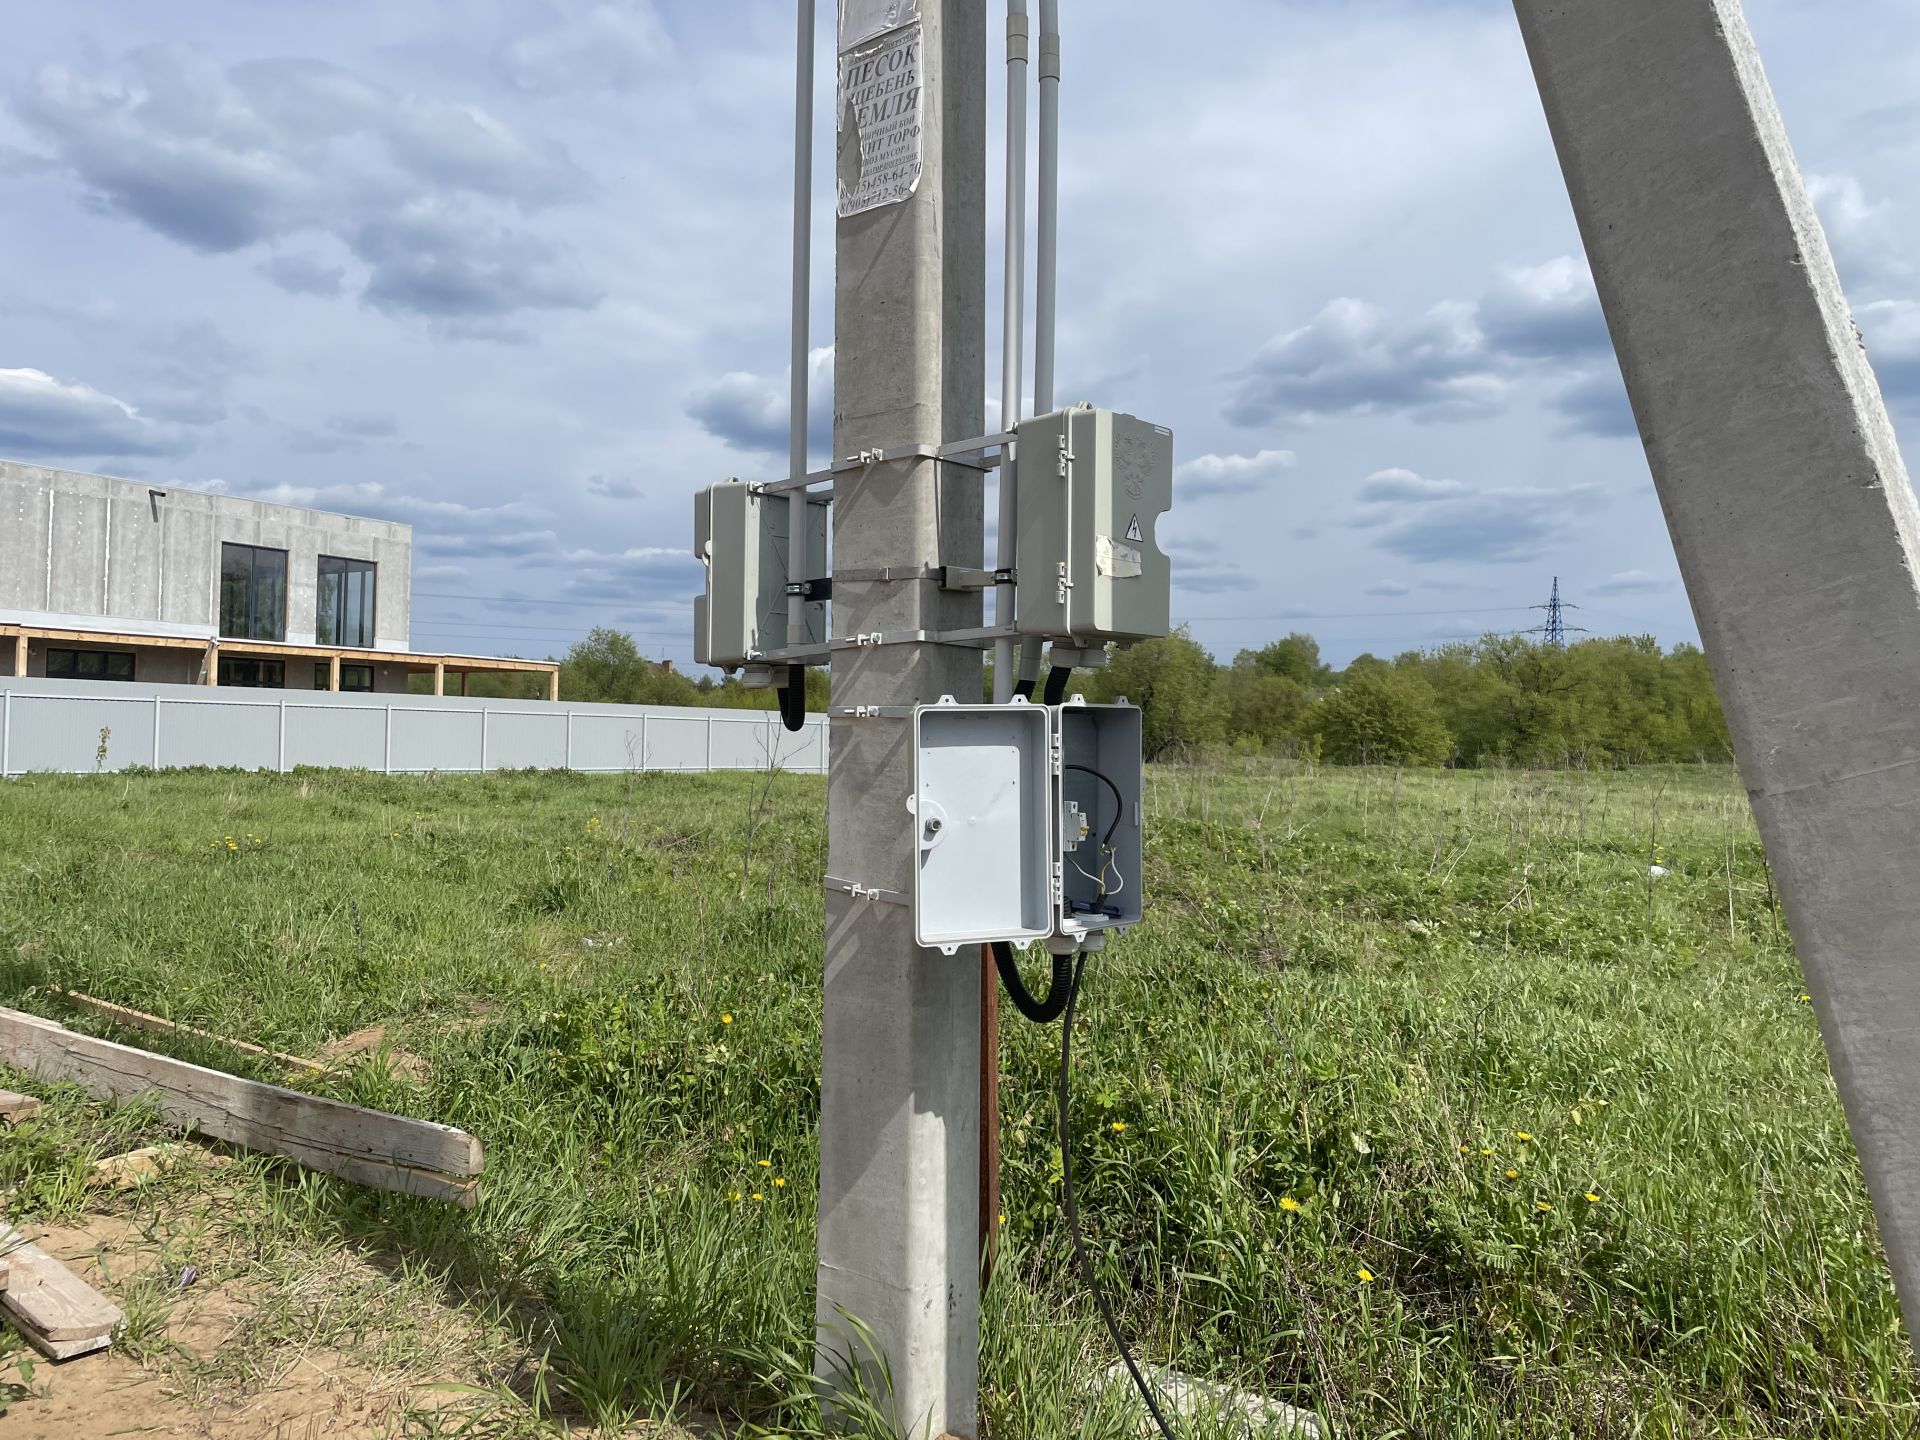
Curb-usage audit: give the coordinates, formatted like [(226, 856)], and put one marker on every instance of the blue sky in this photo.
[(514, 271)]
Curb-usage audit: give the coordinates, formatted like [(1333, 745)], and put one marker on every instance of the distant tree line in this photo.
[(1502, 699)]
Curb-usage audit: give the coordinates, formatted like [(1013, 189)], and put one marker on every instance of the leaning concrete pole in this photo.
[(1791, 512), (900, 1057)]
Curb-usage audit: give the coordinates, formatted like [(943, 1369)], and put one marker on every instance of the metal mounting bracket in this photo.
[(868, 892)]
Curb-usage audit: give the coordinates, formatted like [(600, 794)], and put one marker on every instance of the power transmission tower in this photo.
[(1554, 632)]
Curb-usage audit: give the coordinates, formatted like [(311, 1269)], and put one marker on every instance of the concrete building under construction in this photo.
[(105, 579)]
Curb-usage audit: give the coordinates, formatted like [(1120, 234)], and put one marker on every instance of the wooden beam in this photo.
[(439, 677), (60, 1314), (553, 687), (278, 650), (141, 1020), (20, 653), (391, 1152), (16, 1107), (213, 662), (333, 672)]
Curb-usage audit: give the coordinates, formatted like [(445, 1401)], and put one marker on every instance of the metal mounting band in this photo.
[(886, 574), (946, 454), (870, 712), (868, 892)]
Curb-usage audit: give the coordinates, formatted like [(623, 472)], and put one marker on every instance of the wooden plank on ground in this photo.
[(58, 1312), (15, 1107), (392, 1152), (141, 1020)]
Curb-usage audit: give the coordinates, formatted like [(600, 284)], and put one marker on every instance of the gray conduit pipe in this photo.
[(1013, 324), (802, 296), (1045, 269)]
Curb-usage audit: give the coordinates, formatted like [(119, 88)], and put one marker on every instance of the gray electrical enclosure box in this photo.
[(1091, 485), (740, 533), (983, 813), (1097, 788)]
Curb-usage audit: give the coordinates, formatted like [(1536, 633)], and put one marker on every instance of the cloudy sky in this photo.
[(514, 271)]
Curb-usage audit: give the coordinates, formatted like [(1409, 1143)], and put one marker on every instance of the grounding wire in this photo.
[(1070, 1204)]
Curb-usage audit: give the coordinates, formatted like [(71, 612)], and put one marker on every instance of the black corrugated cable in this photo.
[(793, 698), (1041, 1012), (1057, 679)]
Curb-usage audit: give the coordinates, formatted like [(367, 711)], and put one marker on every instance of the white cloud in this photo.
[(1392, 589), (1212, 475), (1430, 521), (573, 47), (429, 194), (1629, 582), (1459, 361), (43, 417), (749, 411), (1548, 311), (1406, 487), (1892, 332), (1353, 359)]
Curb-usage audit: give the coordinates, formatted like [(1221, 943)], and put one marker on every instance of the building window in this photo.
[(89, 665), (253, 593), (343, 605), (355, 678), (254, 674)]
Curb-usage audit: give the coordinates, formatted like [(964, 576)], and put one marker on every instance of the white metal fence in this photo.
[(79, 726)]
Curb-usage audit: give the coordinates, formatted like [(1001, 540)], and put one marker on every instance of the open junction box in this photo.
[(1029, 823)]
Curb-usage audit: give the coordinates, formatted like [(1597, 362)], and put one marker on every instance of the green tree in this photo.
[(1294, 657), (1380, 715), (1264, 707), (1177, 687), (608, 668)]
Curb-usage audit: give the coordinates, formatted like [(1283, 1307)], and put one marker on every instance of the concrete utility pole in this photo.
[(900, 1121), (1792, 516)]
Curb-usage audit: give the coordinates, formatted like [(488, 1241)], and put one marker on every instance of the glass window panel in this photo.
[(253, 592), (89, 665), (343, 613)]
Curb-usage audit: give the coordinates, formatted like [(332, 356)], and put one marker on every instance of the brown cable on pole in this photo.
[(989, 1114)]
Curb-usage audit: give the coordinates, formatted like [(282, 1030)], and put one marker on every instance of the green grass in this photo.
[(1360, 1000)]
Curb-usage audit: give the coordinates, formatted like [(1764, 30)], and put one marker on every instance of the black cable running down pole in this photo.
[(1024, 689), (1071, 1205), (1057, 679), (793, 698), (1041, 1012)]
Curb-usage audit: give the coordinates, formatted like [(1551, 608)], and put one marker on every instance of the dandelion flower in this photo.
[(1289, 1204), (1003, 1219), (1119, 1127), (1542, 1206), (1521, 1135), (1366, 1275), (1513, 1174), (733, 1195), (1485, 1151), (779, 1182), (726, 1019), (758, 1196), (764, 1164), (1592, 1199)]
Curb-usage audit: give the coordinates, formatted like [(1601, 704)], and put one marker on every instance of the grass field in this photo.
[(1414, 1102)]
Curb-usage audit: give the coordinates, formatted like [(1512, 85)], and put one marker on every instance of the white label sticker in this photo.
[(861, 20), (1112, 557), (1133, 529), (880, 122)]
